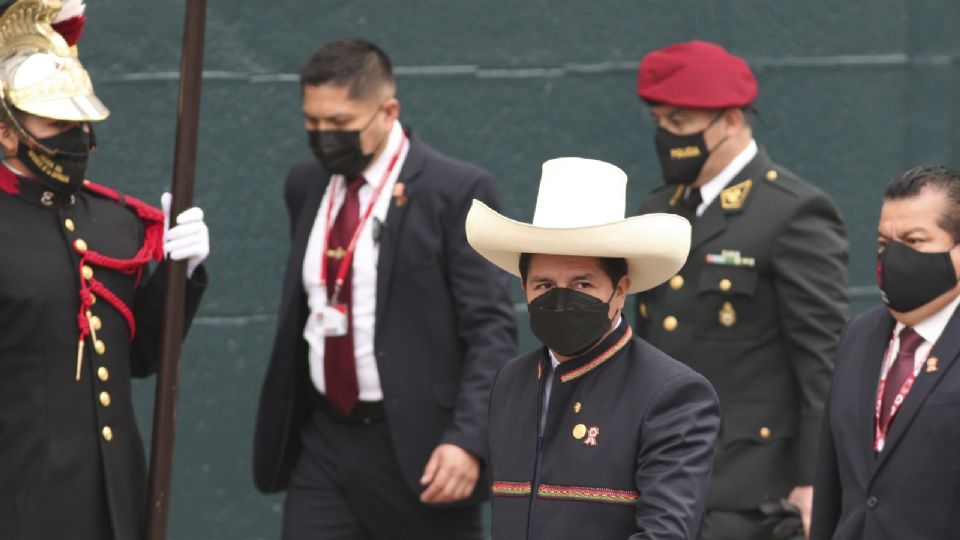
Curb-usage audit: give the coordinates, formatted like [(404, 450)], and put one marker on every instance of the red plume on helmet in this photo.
[(69, 23)]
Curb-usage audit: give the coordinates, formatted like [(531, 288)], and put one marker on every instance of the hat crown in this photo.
[(578, 192)]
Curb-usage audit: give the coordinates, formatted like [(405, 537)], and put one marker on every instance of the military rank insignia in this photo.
[(733, 197)]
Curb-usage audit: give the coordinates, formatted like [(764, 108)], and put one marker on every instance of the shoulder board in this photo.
[(146, 212), (783, 180)]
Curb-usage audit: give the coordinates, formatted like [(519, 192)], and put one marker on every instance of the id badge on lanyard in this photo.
[(334, 318)]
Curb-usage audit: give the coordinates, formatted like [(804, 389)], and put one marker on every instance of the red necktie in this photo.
[(339, 363), (902, 368)]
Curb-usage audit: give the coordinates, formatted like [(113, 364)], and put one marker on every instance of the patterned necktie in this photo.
[(339, 362), (901, 369)]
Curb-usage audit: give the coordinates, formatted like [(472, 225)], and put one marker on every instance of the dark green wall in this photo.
[(852, 94)]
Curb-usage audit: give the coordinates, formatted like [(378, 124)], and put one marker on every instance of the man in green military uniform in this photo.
[(760, 303)]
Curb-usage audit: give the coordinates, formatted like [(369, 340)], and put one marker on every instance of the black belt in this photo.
[(363, 413)]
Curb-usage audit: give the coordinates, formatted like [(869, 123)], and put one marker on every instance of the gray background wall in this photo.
[(852, 93)]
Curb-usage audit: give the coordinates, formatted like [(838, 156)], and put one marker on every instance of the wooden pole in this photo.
[(168, 371)]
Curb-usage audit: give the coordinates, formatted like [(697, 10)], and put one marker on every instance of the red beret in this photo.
[(696, 75)]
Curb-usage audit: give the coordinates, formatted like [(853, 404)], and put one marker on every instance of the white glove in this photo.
[(189, 240)]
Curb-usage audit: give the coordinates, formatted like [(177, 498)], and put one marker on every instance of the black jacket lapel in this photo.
[(393, 225), (875, 346), (293, 292), (946, 351)]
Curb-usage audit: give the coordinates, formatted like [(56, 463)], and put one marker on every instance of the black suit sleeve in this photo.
[(148, 313), (810, 264), (485, 320), (826, 488), (677, 443)]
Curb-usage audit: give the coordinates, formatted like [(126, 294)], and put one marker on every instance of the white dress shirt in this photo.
[(364, 304), (715, 185), (930, 329)]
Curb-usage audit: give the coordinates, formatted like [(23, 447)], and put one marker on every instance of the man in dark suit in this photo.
[(80, 313), (373, 412), (596, 434), (888, 467), (759, 305)]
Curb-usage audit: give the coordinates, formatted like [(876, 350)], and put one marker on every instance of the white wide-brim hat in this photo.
[(580, 211)]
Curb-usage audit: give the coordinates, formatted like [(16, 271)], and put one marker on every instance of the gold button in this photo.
[(676, 282), (670, 323), (107, 433), (577, 407), (105, 399), (100, 347), (765, 432), (771, 175), (643, 310), (725, 284), (86, 272), (96, 323), (103, 373), (579, 431), (80, 245), (68, 225)]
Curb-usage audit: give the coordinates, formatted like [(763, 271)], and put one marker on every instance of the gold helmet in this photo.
[(39, 70)]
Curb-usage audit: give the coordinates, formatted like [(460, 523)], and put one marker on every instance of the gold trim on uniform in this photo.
[(733, 197), (771, 175), (670, 323), (728, 315), (676, 282), (676, 195)]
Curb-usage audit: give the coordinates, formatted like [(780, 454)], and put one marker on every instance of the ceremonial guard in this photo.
[(597, 434), (79, 313), (759, 305)]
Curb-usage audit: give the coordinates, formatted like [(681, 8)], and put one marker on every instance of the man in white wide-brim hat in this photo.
[(597, 434)]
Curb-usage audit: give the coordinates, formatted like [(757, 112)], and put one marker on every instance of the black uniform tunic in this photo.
[(626, 450), (71, 460)]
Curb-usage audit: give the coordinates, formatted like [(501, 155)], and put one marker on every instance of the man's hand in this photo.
[(802, 498), (450, 475), (189, 240)]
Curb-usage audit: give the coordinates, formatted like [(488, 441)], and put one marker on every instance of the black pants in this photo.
[(347, 485)]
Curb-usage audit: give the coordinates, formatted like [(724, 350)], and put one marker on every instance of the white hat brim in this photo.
[(81, 108), (655, 246)]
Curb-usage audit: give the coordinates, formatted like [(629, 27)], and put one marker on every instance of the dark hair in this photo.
[(352, 62), (947, 181), (614, 267)]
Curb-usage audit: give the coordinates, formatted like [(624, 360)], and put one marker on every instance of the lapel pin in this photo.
[(579, 431), (932, 364), (592, 435), (399, 197)]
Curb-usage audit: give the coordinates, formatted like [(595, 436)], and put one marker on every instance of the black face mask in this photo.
[(62, 165), (910, 279), (341, 152), (682, 156), (569, 322)]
